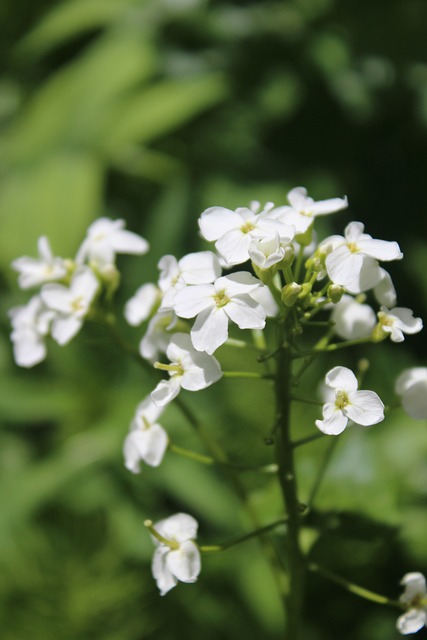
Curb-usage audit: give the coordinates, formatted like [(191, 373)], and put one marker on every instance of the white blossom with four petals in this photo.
[(213, 305), (362, 407), (105, 238), (352, 260), (178, 558), (36, 271)]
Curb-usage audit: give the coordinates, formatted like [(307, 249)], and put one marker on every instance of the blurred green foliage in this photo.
[(152, 110)]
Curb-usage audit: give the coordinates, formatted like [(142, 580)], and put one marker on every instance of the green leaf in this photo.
[(73, 106), (57, 197), (68, 20), (158, 110)]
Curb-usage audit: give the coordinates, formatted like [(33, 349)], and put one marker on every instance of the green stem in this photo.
[(354, 588), (244, 374), (220, 457), (208, 460), (288, 483), (306, 400), (247, 536), (312, 438), (322, 470)]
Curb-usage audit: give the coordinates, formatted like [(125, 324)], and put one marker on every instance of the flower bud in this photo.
[(290, 293), (335, 292)]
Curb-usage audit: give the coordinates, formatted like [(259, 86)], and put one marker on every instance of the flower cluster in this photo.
[(68, 288), (266, 266)]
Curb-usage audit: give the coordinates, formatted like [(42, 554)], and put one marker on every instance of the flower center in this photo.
[(385, 320), (353, 247), (341, 399), (221, 298), (307, 214), (77, 304), (247, 227)]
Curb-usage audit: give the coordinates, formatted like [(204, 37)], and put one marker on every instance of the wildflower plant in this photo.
[(266, 284)]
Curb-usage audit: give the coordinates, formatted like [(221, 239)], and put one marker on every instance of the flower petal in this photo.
[(411, 621), (185, 563), (161, 572), (166, 391), (341, 378), (216, 221), (365, 408), (246, 313), (210, 330)]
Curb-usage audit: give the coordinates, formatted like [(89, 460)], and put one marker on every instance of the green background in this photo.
[(152, 111)]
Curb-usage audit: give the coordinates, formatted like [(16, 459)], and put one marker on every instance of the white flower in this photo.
[(178, 557), (195, 268), (30, 326), (71, 304), (234, 231), (415, 599), (398, 321), (411, 385), (189, 369), (353, 320), (362, 407), (303, 209), (105, 238), (147, 440), (142, 304), (353, 260), (36, 271), (268, 251), (228, 298)]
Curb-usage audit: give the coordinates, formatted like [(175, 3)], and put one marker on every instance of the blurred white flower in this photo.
[(177, 556), (142, 304), (105, 238), (70, 304), (36, 271), (159, 332), (411, 385), (147, 441), (399, 321), (353, 320), (414, 598), (362, 407), (353, 260), (188, 369), (228, 298), (30, 325)]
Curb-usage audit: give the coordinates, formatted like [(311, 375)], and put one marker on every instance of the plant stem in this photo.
[(288, 483), (354, 588), (222, 459), (252, 534)]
